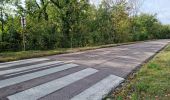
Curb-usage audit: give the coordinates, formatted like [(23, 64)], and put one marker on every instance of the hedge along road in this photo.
[(87, 75)]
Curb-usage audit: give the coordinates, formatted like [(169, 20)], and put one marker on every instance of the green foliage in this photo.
[(142, 87), (40, 37), (74, 23), (153, 66), (145, 27)]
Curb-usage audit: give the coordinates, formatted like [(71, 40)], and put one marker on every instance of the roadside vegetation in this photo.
[(152, 82), (53, 24)]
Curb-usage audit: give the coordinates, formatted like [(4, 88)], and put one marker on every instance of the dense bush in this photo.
[(5, 46), (40, 37)]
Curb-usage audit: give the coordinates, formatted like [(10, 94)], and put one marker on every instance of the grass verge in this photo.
[(151, 82)]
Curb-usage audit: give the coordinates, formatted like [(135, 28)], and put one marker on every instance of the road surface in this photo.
[(87, 75)]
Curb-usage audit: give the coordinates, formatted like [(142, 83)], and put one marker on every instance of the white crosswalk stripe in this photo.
[(100, 89), (35, 69), (26, 77), (19, 62), (28, 67), (52, 86)]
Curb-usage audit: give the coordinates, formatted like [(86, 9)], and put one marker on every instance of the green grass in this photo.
[(152, 82), (11, 56)]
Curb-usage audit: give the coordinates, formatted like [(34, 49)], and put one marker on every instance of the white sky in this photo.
[(160, 7)]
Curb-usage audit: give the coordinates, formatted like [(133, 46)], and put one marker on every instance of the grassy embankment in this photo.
[(151, 82)]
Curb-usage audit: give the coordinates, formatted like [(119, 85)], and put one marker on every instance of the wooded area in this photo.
[(52, 24)]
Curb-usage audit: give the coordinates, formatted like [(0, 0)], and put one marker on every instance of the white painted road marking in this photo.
[(28, 67), (49, 87), (100, 89), (19, 62), (26, 77), (25, 71)]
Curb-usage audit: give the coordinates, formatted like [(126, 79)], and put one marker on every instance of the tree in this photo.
[(2, 15), (55, 24), (146, 27), (5, 10), (37, 9), (69, 11)]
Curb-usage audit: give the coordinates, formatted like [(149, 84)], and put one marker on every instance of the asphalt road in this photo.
[(87, 75)]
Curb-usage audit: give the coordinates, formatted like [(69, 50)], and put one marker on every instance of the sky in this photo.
[(159, 7)]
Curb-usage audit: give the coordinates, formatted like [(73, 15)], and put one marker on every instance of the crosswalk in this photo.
[(15, 63), (29, 67), (32, 70)]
